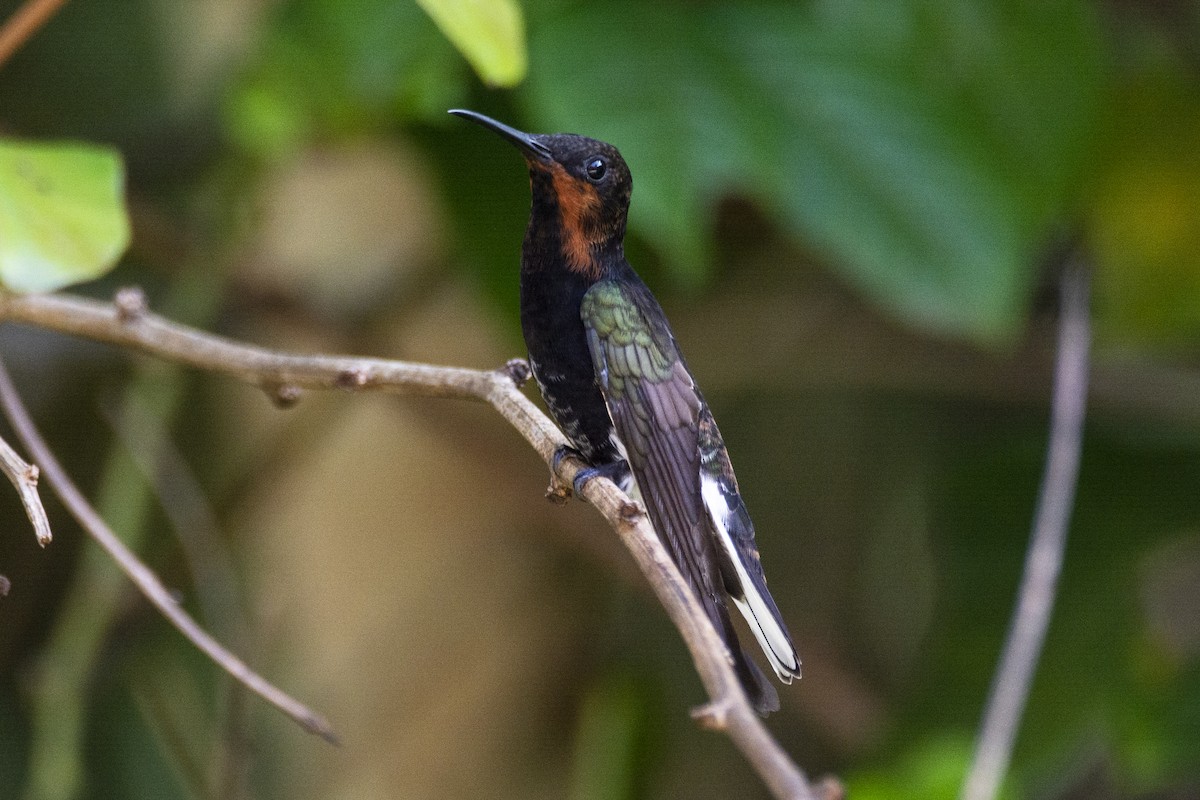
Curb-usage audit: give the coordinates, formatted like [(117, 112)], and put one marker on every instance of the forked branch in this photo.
[(24, 477), (128, 323), (141, 575)]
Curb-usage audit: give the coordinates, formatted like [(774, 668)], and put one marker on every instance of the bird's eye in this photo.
[(596, 168)]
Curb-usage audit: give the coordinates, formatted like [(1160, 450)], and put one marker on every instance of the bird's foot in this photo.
[(557, 492), (563, 452), (615, 471)]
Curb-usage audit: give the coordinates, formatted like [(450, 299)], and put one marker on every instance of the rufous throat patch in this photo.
[(579, 204)]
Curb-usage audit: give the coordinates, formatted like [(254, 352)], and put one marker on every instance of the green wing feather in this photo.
[(656, 411)]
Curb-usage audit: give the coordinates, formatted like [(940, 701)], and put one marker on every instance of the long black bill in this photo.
[(528, 142)]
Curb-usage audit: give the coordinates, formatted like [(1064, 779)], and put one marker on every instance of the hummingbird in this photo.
[(616, 383)]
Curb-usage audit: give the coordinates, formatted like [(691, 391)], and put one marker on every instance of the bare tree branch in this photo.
[(1043, 559), (24, 23), (24, 477), (128, 323), (141, 575)]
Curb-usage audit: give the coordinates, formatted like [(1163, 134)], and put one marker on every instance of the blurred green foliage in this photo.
[(877, 182), (924, 147), (327, 69), (62, 214), (1143, 221)]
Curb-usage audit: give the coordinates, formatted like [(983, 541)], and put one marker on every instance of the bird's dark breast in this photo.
[(562, 363)]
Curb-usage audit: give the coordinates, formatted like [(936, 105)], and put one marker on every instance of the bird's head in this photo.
[(585, 180)]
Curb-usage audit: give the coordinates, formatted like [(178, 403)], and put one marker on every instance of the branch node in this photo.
[(830, 788), (630, 512), (5, 585), (24, 476), (168, 602), (518, 371), (352, 379), (285, 395), (713, 716), (131, 304), (557, 492)]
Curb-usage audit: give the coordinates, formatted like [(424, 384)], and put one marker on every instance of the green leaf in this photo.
[(931, 769), (925, 147), (62, 214), (489, 33)]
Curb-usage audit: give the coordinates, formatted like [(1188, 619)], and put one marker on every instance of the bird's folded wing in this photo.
[(655, 410), (677, 457)]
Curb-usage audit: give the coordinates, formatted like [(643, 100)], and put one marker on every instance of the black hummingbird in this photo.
[(615, 381)]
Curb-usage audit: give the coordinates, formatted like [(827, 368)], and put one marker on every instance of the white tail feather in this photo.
[(767, 630)]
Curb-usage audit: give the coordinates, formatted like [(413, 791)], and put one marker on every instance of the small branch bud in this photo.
[(558, 493), (352, 379), (24, 477), (518, 371), (631, 512), (713, 716), (284, 396), (131, 304), (830, 788)]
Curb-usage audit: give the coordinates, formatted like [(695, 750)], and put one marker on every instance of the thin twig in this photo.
[(1043, 560), (141, 575), (189, 513), (24, 23), (129, 324), (24, 477)]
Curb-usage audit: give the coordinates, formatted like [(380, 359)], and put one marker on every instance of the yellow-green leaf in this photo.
[(62, 214), (489, 33)]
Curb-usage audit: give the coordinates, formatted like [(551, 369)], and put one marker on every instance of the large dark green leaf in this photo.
[(924, 146)]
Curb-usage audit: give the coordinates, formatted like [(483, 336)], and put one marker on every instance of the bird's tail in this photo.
[(691, 545), (758, 688), (742, 575)]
